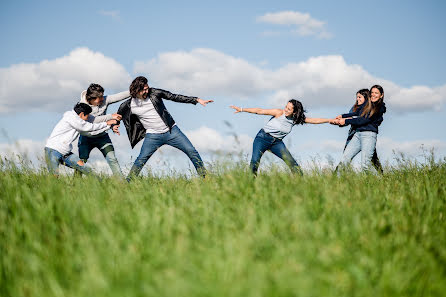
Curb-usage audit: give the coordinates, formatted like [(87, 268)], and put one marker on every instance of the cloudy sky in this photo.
[(247, 53)]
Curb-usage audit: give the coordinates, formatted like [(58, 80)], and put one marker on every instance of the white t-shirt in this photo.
[(148, 116)]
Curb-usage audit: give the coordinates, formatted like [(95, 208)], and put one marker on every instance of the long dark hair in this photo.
[(298, 112), (137, 85), (376, 106), (366, 94)]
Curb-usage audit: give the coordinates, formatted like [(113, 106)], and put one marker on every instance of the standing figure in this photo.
[(146, 117), (365, 122), (94, 97), (280, 125)]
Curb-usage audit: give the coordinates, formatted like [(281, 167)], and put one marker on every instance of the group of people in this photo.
[(145, 117)]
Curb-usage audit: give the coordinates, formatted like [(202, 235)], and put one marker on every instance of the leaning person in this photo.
[(59, 145), (280, 125), (94, 97), (146, 117)]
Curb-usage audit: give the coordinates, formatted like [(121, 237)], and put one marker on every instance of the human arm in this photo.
[(105, 118), (317, 120), (110, 99), (162, 94), (271, 112), (110, 124), (86, 127)]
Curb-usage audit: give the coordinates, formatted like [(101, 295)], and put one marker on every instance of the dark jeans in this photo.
[(175, 138), (264, 142), (104, 144)]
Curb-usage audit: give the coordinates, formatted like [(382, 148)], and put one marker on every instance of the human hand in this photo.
[(204, 102), (112, 122), (116, 129), (334, 121), (339, 117), (237, 109), (117, 116)]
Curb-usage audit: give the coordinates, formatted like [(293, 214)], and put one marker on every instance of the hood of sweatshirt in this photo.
[(84, 97)]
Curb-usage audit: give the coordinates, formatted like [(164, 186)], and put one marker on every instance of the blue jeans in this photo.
[(54, 158), (104, 144), (175, 138), (364, 142), (264, 142), (375, 160)]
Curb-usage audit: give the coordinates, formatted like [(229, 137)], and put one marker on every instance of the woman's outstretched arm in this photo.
[(271, 112), (317, 120)]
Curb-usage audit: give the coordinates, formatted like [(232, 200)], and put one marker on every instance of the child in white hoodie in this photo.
[(58, 146)]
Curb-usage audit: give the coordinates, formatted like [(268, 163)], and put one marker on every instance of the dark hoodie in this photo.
[(360, 123)]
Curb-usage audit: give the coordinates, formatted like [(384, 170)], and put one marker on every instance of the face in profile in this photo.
[(289, 109), (360, 99)]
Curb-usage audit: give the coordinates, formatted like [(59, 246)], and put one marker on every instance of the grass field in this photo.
[(228, 235)]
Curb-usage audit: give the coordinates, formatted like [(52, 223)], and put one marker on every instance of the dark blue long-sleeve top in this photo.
[(366, 123)]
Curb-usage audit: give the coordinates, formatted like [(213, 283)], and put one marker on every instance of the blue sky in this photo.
[(248, 53)]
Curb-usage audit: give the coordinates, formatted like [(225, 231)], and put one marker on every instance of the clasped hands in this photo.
[(338, 121)]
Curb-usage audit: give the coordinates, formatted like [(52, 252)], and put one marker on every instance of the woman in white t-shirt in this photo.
[(280, 125)]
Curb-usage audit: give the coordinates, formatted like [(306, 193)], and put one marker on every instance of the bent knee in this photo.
[(80, 163)]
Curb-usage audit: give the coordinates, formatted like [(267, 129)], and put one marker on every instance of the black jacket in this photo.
[(134, 127)]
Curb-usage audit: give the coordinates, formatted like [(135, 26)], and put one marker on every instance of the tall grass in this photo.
[(227, 235)]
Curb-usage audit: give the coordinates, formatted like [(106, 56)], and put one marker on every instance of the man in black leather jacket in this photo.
[(145, 116)]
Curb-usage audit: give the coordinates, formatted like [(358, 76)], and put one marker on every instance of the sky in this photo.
[(244, 53)]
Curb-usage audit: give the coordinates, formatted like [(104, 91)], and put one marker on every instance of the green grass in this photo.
[(228, 235)]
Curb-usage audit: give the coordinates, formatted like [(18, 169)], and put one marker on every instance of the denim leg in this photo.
[(368, 145), (352, 149), (108, 151), (53, 158), (180, 141), (151, 143), (261, 144), (280, 150), (71, 161)]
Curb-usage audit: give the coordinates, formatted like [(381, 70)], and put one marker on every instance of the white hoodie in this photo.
[(69, 128)]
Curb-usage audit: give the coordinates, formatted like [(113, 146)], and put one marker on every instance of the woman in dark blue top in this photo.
[(364, 121), (360, 100)]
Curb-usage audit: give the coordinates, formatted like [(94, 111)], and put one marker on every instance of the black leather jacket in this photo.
[(134, 127)]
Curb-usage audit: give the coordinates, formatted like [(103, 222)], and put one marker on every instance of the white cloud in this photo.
[(23, 147), (303, 24), (57, 84), (318, 81), (114, 14), (204, 70), (206, 139)]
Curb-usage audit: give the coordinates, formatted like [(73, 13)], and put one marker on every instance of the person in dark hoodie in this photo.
[(364, 122), (360, 100), (146, 117)]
